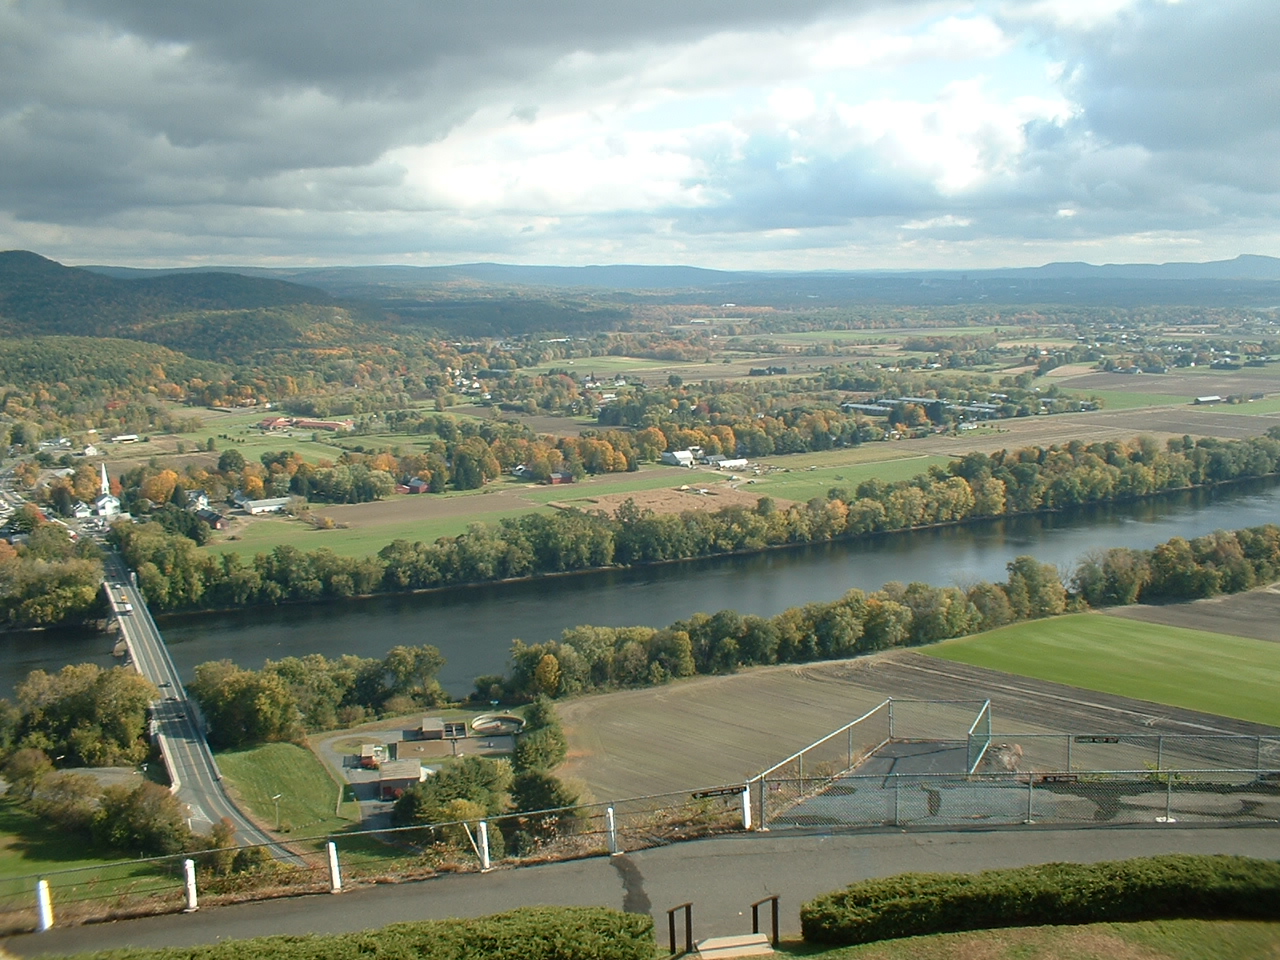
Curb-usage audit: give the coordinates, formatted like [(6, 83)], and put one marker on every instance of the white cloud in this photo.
[(833, 130)]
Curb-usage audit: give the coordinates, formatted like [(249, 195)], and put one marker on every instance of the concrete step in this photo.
[(747, 945)]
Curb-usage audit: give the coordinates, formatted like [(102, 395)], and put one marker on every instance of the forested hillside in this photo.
[(41, 296)]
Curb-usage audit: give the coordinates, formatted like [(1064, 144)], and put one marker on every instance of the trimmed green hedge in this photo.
[(1145, 888), (532, 933)]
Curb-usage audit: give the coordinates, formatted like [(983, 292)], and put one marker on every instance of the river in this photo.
[(474, 626)]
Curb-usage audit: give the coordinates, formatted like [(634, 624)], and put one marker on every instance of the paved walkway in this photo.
[(721, 876)]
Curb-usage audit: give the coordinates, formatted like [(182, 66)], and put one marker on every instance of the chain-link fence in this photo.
[(1031, 752), (1210, 796)]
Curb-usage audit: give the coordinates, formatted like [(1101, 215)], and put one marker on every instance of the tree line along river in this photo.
[(474, 626)]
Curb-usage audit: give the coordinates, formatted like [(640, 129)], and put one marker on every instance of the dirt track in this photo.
[(712, 730)]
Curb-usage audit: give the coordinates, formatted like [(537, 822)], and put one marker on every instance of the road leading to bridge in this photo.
[(191, 763)]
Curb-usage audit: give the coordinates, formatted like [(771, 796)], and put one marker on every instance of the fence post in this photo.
[(189, 872), (849, 766), (44, 903), (746, 807), (1031, 792), (611, 827), (1257, 755), (1068, 753), (1160, 753), (335, 873), (764, 810), (897, 800), (891, 718), (483, 830), (1168, 800)]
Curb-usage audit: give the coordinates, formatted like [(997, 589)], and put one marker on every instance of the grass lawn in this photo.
[(1212, 672), (1149, 940), (308, 793), (30, 845)]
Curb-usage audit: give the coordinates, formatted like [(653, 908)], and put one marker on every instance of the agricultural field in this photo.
[(309, 795), (1128, 399), (710, 730), (365, 528), (1148, 940), (1195, 669), (1255, 613)]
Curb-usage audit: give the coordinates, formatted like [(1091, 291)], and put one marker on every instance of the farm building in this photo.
[(678, 458), (560, 477), (255, 507), (731, 463), (1214, 398), (214, 519), (397, 776)]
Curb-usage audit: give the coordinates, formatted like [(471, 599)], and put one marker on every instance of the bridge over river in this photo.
[(194, 773)]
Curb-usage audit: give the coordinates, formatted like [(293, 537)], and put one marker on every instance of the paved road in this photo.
[(721, 876), (191, 763)]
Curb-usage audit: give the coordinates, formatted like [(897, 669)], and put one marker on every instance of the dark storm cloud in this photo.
[(108, 106)]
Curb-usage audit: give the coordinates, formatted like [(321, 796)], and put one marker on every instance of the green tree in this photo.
[(146, 819), (244, 706)]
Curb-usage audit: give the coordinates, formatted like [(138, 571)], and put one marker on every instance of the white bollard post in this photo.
[(746, 807), (484, 846), (611, 827), (335, 874), (44, 903), (189, 870)]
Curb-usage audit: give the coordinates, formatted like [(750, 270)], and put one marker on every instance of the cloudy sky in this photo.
[(805, 134)]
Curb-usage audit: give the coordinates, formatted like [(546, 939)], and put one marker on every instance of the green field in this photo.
[(1127, 399), (890, 334), (1253, 407), (602, 366), (264, 534), (803, 484), (308, 793), (1211, 672), (1148, 940)]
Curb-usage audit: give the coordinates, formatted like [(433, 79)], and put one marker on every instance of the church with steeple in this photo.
[(106, 506)]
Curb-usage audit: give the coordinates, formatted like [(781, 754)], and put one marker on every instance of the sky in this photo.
[(738, 134)]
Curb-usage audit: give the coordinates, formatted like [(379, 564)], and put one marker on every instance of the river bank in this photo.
[(473, 627)]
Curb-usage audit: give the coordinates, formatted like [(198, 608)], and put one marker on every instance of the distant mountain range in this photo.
[(642, 277), (38, 295)]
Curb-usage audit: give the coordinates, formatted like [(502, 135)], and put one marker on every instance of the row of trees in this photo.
[(1222, 562), (175, 575), (591, 658)]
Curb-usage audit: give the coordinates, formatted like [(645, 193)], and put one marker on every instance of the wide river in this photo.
[(474, 626)]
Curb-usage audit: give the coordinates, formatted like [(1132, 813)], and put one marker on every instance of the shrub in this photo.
[(1145, 888), (531, 933)]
